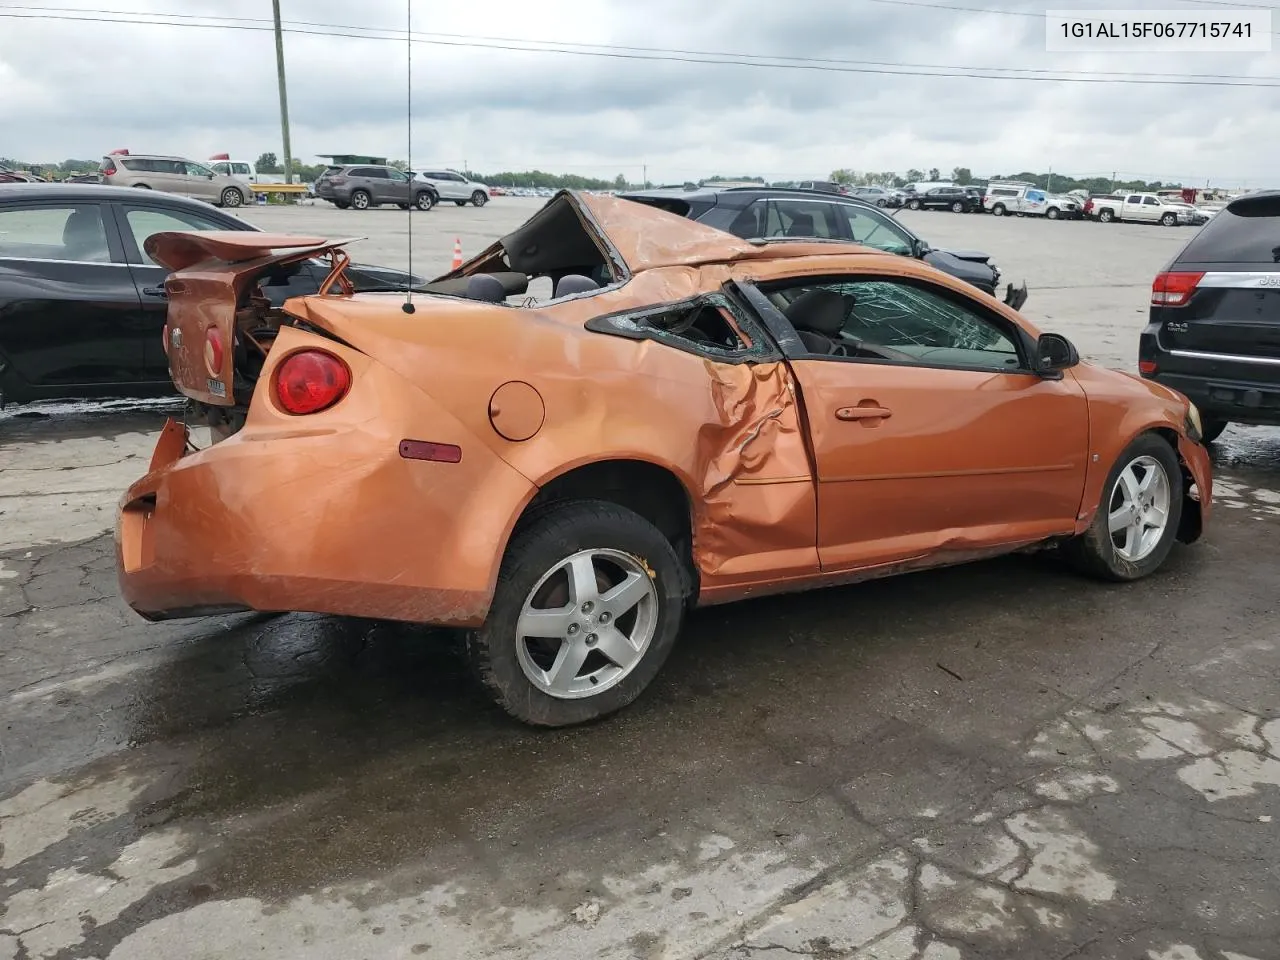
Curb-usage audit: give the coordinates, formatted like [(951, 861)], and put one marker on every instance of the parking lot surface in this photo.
[(999, 760)]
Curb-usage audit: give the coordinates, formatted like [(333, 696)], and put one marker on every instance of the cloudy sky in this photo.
[(75, 88)]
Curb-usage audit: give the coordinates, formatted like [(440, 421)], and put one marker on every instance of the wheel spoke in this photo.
[(1132, 537), (615, 645), (622, 598), (582, 579), (1151, 482), (567, 664), (544, 623), (1117, 520), (1132, 487), (1157, 517)]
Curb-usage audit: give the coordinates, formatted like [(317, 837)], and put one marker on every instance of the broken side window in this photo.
[(711, 326)]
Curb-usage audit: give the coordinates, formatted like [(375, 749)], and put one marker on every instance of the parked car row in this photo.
[(361, 186)]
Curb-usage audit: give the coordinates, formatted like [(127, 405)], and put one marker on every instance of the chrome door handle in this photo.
[(863, 413)]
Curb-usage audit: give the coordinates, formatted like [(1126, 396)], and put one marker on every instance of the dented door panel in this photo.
[(914, 461)]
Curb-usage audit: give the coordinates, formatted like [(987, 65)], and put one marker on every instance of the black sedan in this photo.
[(955, 199), (82, 307)]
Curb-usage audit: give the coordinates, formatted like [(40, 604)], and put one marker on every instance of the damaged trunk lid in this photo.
[(220, 324)]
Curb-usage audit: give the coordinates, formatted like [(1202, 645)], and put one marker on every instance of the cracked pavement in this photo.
[(995, 761)]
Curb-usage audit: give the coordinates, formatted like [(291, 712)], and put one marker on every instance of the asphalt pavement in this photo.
[(1001, 760)]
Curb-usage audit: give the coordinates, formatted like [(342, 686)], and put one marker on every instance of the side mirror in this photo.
[(922, 247), (1054, 353)]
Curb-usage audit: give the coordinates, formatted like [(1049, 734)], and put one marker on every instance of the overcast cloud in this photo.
[(76, 89)]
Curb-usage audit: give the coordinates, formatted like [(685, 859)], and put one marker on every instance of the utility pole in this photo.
[(1049, 188), (284, 97), (645, 181)]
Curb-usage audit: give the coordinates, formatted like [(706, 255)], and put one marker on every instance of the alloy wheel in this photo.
[(1138, 510), (587, 623)]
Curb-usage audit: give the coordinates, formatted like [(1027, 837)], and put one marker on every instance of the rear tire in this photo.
[(231, 197), (520, 675), (1212, 429), (1124, 501), (998, 210), (1106, 216), (913, 204), (361, 200), (957, 207)]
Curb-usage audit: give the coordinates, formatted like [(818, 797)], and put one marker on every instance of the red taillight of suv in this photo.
[(310, 381), (1174, 289)]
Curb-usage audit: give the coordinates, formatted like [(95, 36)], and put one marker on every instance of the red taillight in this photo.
[(1174, 289), (310, 381), (108, 171), (1147, 366), (213, 351)]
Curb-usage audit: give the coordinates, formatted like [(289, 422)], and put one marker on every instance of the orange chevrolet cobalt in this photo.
[(684, 418)]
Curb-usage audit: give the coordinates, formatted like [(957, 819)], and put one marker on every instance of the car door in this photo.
[(397, 187), (801, 217), (1133, 208), (137, 221), (929, 431), (874, 229), (199, 181), (1152, 209), (68, 305)]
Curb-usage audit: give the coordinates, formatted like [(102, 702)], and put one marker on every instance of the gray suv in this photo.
[(361, 186)]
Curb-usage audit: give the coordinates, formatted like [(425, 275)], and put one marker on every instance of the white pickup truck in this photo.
[(1142, 208)]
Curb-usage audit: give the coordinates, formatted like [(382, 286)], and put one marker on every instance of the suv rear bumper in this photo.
[(1236, 401)]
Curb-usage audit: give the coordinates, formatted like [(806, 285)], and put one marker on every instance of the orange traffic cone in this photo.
[(457, 252)]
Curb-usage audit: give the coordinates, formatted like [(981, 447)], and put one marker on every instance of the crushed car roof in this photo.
[(634, 237)]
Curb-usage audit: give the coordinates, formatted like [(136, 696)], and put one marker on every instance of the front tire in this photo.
[(231, 197), (1052, 213), (1169, 219), (607, 590), (360, 200), (1212, 429), (1138, 516), (479, 199), (913, 204)]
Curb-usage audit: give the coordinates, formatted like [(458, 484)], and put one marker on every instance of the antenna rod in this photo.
[(284, 97), (408, 41)]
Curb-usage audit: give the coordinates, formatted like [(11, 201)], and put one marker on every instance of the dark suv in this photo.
[(361, 186), (762, 212), (1214, 333), (955, 199)]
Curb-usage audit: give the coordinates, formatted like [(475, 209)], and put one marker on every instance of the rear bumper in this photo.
[(332, 521), (1236, 401), (331, 512)]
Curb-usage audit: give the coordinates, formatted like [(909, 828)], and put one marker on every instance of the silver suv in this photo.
[(455, 186), (174, 175), (364, 185)]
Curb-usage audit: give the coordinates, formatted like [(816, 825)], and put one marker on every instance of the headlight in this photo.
[(1195, 426)]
